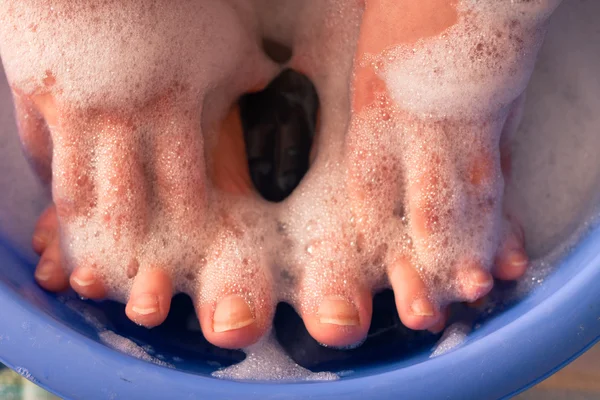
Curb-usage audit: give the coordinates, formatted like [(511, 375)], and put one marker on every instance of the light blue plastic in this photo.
[(42, 339)]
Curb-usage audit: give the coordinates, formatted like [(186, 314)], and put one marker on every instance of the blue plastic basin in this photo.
[(58, 349)]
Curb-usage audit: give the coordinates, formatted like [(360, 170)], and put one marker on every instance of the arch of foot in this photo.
[(404, 190)]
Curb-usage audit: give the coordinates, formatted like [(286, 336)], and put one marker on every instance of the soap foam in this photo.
[(475, 67), (266, 361), (124, 345), (45, 44), (454, 336), (109, 338)]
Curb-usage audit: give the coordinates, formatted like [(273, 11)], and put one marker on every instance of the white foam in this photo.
[(266, 361), (454, 336), (477, 66), (95, 50), (111, 339), (124, 345)]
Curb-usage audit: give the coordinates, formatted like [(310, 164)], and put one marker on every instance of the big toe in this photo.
[(236, 312), (233, 322), (337, 318)]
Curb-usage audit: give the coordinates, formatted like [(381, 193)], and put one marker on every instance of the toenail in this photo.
[(44, 271), (517, 259), (337, 311), (145, 304), (232, 313), (40, 239), (481, 279), (422, 308), (83, 282)]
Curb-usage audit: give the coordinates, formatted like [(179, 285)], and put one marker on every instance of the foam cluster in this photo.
[(110, 338), (454, 336), (477, 66), (91, 53), (267, 361)]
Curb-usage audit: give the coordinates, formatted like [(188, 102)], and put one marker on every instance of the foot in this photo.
[(147, 199), (415, 199)]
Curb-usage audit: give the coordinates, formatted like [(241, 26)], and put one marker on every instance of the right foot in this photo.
[(150, 184)]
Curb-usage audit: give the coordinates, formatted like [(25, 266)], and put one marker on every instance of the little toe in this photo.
[(150, 298), (49, 272), (233, 322), (511, 260), (340, 320), (417, 311), (87, 284)]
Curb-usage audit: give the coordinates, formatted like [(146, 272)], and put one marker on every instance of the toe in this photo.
[(415, 307), (85, 281), (233, 322), (439, 326), (340, 320), (150, 298), (474, 282), (511, 260), (49, 272), (45, 230)]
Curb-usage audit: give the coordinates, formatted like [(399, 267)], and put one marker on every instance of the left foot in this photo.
[(409, 194)]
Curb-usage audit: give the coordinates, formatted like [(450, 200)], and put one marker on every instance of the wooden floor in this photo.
[(578, 381)]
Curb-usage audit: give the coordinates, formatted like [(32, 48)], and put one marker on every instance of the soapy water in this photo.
[(110, 338), (453, 337), (549, 229), (267, 361)]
